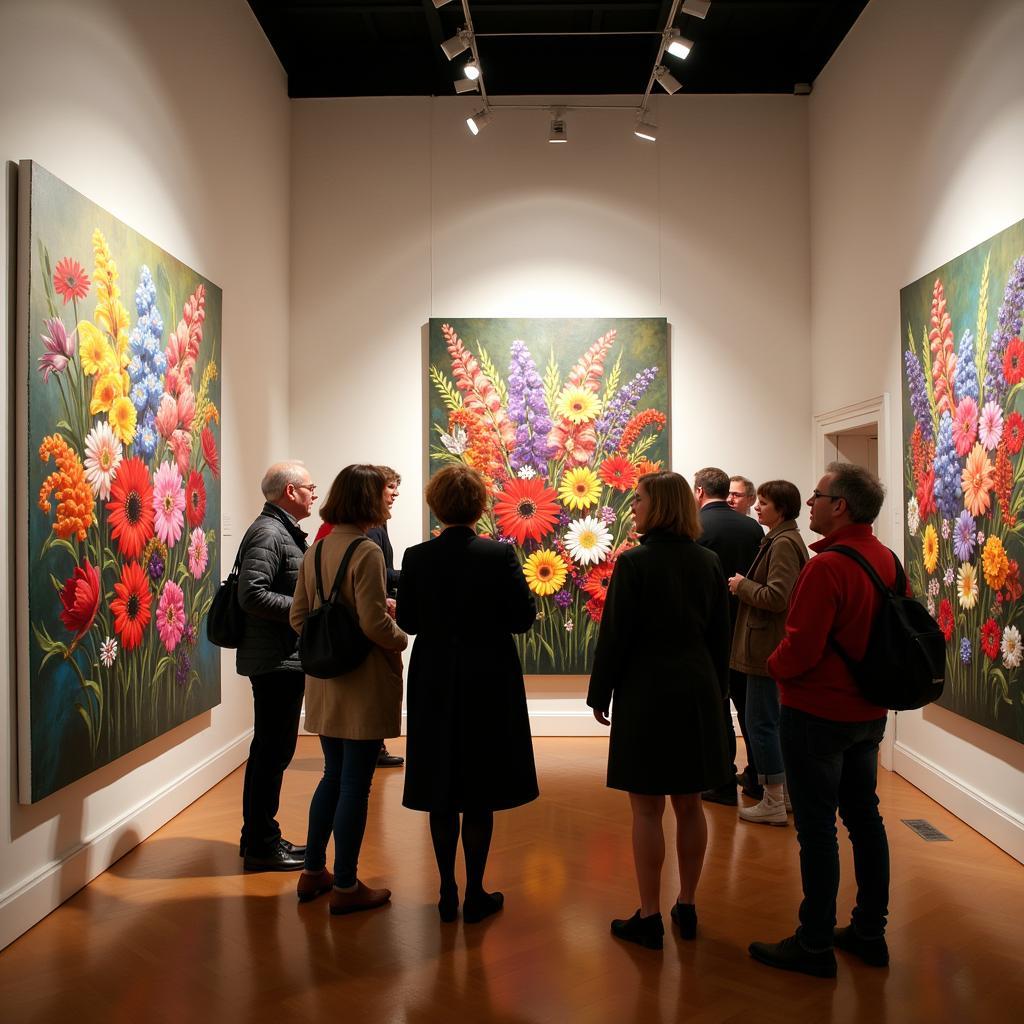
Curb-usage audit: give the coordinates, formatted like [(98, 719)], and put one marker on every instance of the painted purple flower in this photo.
[(182, 668), (606, 514), (965, 651), (563, 598), (918, 394), (528, 410), (612, 422), (59, 348), (1008, 325), (563, 518), (155, 566), (963, 536), (191, 634)]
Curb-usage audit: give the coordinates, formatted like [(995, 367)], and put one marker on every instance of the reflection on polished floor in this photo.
[(175, 931)]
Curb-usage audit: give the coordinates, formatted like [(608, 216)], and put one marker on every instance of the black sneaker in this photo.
[(278, 858), (295, 851), (685, 917), (789, 955), (874, 952), (386, 760), (648, 932), (722, 795)]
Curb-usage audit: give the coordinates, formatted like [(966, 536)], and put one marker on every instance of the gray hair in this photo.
[(748, 485), (860, 488), (280, 475)]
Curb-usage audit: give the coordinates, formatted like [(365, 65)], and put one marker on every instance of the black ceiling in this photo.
[(392, 47)]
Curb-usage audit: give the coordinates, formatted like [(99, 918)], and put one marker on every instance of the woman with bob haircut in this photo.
[(663, 655), (353, 713), (469, 750), (764, 600)]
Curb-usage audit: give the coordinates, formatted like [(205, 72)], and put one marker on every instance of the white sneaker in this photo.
[(767, 812)]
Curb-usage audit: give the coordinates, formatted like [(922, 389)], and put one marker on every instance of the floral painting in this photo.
[(963, 372), (562, 417), (118, 356)]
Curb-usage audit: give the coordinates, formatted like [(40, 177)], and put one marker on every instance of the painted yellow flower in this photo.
[(930, 548), (545, 572), (577, 405), (123, 419), (111, 315), (995, 564), (967, 585), (580, 488), (96, 354), (108, 387)]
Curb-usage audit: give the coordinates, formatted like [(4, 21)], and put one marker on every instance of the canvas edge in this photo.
[(26, 170)]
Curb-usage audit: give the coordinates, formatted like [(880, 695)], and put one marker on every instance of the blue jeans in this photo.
[(339, 806), (832, 765), (762, 715)]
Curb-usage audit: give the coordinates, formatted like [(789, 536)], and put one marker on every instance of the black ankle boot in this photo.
[(476, 908), (648, 932), (685, 917), (448, 905)]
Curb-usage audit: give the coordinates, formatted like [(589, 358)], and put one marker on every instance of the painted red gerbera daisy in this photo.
[(526, 509), (131, 605), (1013, 362), (618, 472), (1013, 432), (926, 494), (597, 580), (131, 507), (946, 618), (991, 636), (210, 452), (70, 279), (595, 609), (195, 499), (80, 600)]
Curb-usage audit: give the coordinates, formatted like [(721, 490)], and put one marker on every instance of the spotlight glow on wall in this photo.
[(458, 43), (477, 122), (646, 130), (678, 45), (667, 80)]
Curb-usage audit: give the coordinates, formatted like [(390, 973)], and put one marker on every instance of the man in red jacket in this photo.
[(830, 733)]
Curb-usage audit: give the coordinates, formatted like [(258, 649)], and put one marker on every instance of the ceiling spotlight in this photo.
[(458, 43), (558, 132), (478, 122), (466, 85), (441, 3), (678, 45), (646, 130), (667, 80), (698, 8), (472, 70)]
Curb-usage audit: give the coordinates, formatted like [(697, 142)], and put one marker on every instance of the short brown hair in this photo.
[(713, 481), (673, 506), (783, 495), (356, 496), (392, 476), (457, 495)]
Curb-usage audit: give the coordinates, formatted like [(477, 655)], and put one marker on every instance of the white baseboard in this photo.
[(996, 823), (28, 902)]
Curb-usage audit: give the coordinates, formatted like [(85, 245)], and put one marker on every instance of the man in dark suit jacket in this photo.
[(735, 538)]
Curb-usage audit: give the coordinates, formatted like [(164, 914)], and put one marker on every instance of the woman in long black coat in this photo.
[(663, 655), (469, 748)]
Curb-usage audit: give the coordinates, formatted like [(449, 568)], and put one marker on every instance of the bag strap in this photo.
[(339, 577)]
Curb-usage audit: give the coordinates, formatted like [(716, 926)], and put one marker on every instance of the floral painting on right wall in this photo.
[(963, 433)]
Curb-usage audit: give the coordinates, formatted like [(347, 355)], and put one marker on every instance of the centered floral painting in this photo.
[(562, 417), (118, 352), (963, 366)]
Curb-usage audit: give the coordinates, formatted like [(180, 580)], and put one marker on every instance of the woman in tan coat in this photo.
[(763, 601), (354, 713)]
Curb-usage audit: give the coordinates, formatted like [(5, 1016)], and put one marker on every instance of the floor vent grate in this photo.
[(926, 830)]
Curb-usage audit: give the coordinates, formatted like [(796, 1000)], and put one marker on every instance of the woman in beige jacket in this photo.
[(354, 713), (763, 601)]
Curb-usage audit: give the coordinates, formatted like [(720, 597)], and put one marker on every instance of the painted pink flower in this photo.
[(170, 615), (59, 348), (990, 425), (180, 443), (167, 416), (103, 454), (965, 426), (210, 452), (186, 407), (168, 503), (198, 553)]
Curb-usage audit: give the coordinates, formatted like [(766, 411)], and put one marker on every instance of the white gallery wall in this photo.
[(175, 118), (399, 215), (916, 150)]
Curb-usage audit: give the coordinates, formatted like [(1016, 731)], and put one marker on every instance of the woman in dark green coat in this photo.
[(663, 656)]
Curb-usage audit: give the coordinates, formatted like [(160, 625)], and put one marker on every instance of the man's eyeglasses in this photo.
[(309, 487), (816, 494)]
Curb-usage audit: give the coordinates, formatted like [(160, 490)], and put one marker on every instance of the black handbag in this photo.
[(331, 642), (225, 621)]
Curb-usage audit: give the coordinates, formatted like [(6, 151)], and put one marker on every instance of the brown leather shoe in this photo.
[(361, 898), (311, 886)]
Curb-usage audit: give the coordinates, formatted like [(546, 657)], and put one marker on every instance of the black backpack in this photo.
[(904, 666)]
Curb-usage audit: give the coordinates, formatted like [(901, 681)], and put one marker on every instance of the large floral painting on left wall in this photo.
[(118, 386)]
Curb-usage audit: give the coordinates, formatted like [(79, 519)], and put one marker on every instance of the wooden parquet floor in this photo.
[(176, 931)]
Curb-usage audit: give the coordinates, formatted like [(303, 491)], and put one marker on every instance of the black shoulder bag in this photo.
[(225, 621), (331, 642)]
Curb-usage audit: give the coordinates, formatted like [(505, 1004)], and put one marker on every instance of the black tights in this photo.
[(477, 827)]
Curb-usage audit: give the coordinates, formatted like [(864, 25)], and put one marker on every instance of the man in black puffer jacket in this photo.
[(272, 548)]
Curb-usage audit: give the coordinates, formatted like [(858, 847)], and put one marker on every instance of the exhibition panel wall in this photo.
[(915, 153), (174, 118)]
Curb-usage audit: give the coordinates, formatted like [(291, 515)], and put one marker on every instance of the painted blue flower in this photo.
[(964, 539), (948, 496), (965, 377), (918, 393), (965, 651), (138, 396), (146, 439)]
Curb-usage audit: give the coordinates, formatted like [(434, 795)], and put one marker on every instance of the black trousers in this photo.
[(277, 701), (738, 693)]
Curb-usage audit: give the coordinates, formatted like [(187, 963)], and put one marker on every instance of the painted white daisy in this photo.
[(945, 529), (526, 472), (1011, 645), (103, 454), (967, 585), (108, 651), (913, 516), (568, 625), (588, 540)]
